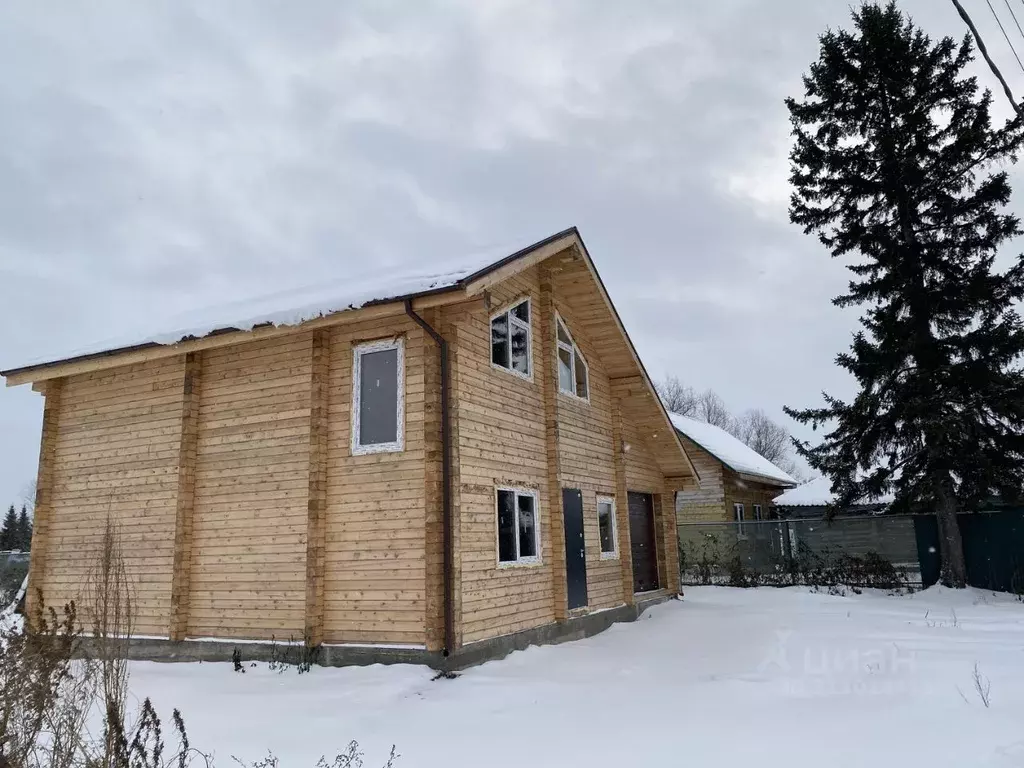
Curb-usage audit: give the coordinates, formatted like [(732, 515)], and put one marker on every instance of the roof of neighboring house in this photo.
[(382, 285), (730, 451), (818, 493)]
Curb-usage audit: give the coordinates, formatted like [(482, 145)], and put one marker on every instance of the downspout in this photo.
[(446, 480)]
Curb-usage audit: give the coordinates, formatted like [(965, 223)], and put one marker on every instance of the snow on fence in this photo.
[(856, 551)]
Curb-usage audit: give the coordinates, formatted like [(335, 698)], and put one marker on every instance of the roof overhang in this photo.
[(772, 481), (465, 289), (470, 288)]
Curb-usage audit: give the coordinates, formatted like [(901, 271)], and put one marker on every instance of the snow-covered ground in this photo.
[(724, 677)]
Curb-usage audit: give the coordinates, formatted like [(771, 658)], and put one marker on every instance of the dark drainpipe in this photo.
[(446, 479)]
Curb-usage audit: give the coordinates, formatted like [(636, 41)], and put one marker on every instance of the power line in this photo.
[(988, 59), (1014, 17), (1003, 30)]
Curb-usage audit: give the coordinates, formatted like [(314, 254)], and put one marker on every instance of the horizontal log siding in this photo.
[(251, 484), (587, 460), (707, 503), (748, 493), (375, 575), (116, 454), (501, 435)]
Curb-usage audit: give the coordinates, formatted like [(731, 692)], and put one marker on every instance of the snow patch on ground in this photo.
[(723, 677)]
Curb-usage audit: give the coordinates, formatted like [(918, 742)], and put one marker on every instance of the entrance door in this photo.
[(575, 549), (641, 534)]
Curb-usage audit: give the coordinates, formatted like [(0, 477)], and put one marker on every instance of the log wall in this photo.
[(246, 515)]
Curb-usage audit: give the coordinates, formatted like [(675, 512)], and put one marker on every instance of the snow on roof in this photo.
[(293, 307), (729, 450), (818, 493)]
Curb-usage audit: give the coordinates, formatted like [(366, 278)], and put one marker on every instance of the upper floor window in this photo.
[(573, 373), (510, 339), (378, 397)]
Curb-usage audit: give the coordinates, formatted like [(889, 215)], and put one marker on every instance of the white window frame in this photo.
[(519, 562), (739, 513), (573, 349), (758, 513), (614, 554), (512, 320), (357, 354)]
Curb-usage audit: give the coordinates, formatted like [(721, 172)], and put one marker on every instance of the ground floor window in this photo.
[(737, 510), (518, 528), (757, 512), (606, 527)]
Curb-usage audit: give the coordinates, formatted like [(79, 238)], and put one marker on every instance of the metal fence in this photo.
[(13, 569), (856, 551)]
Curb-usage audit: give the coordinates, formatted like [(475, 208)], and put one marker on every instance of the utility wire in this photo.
[(1003, 30), (1014, 17), (988, 59)]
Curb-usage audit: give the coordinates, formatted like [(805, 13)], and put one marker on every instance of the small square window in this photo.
[(378, 397), (606, 527), (518, 527), (510, 339)]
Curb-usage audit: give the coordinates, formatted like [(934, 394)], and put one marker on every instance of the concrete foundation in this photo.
[(575, 628)]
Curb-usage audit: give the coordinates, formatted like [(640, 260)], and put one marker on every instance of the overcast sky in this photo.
[(157, 157)]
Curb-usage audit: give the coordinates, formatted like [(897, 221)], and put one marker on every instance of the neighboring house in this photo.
[(737, 483), (456, 462), (813, 499)]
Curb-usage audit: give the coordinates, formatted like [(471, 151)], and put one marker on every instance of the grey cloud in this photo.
[(157, 157)]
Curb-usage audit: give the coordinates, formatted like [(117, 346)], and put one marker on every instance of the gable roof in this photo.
[(387, 293), (818, 493), (730, 451), (296, 307)]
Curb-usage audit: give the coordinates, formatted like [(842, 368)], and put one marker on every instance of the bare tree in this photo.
[(767, 438), (28, 496), (109, 600), (753, 427), (763, 435), (677, 397), (713, 410)]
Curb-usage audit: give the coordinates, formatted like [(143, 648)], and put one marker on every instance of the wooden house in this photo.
[(446, 464), (737, 483)]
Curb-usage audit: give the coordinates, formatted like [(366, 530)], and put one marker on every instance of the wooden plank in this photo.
[(433, 491), (622, 506), (37, 574), (670, 535), (548, 375), (376, 515), (182, 564), (316, 558), (452, 332), (526, 261)]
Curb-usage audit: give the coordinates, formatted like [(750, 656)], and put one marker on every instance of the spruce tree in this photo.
[(9, 531), (24, 538), (897, 167)]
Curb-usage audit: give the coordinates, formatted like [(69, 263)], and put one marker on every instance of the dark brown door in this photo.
[(641, 534), (575, 550)]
